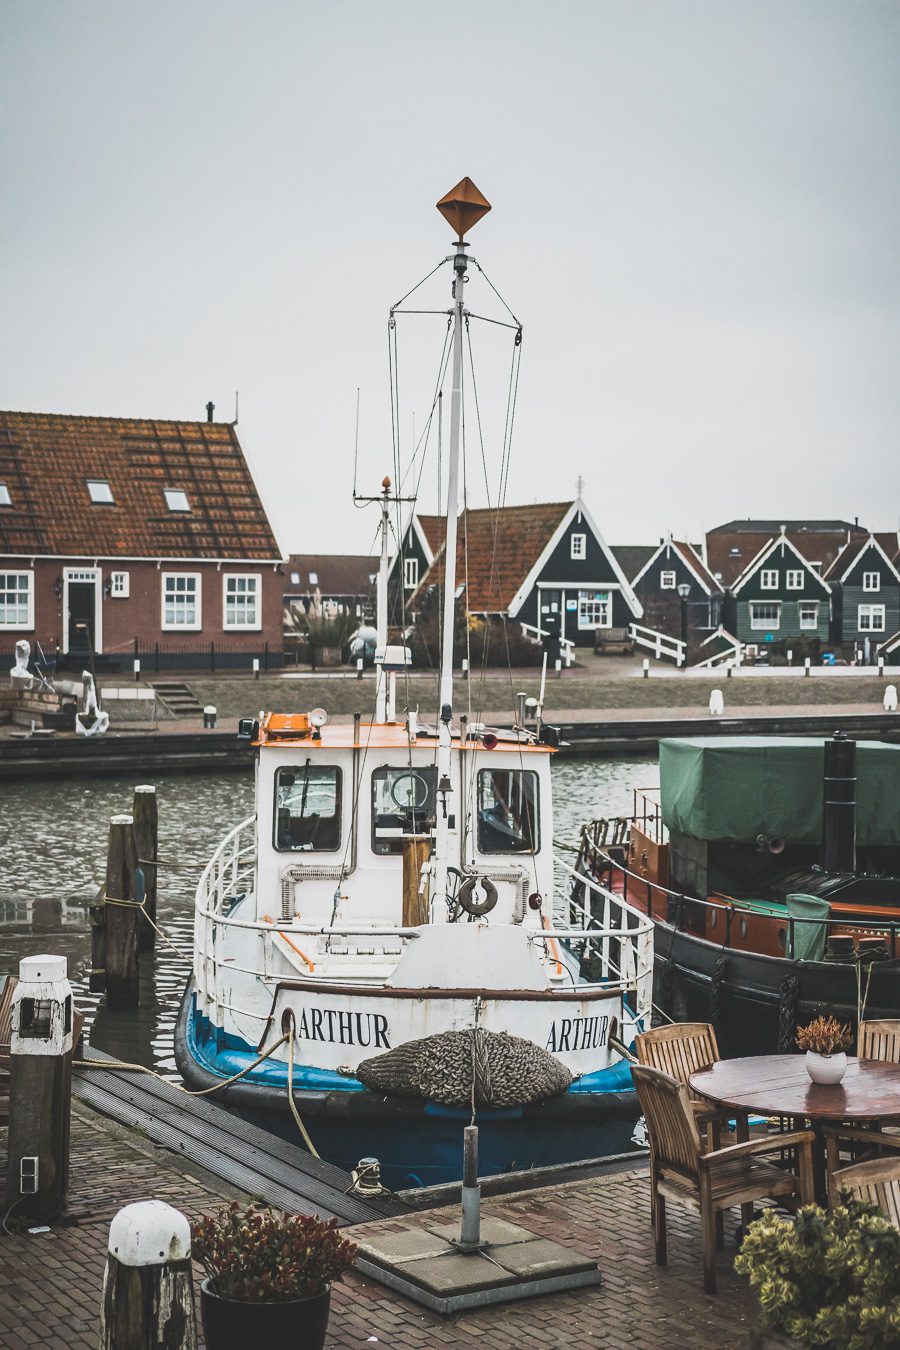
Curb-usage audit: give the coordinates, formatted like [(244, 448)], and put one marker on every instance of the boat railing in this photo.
[(613, 939), (674, 907)]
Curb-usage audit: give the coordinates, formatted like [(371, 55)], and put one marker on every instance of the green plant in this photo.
[(260, 1255), (825, 1036), (827, 1279)]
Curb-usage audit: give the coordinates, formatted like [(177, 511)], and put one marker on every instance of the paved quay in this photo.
[(50, 1283)]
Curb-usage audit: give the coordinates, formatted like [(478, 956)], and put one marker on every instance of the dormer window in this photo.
[(579, 546), (100, 492), (176, 499), (5, 499), (295, 578), (313, 578)]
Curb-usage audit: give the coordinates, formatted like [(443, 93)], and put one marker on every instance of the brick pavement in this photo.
[(50, 1283)]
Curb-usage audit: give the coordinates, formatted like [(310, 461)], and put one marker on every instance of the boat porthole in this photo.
[(743, 927), (782, 938), (713, 918)]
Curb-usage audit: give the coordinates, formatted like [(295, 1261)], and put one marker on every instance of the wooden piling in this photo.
[(416, 848), (146, 838), (123, 917), (148, 1289)]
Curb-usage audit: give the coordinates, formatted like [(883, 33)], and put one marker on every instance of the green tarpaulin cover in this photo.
[(736, 787)]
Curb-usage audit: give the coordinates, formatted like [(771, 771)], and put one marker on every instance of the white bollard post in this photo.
[(790, 656), (646, 665), (256, 667), (210, 713), (881, 667), (137, 669), (890, 698), (716, 703), (359, 667), (729, 671), (806, 666), (148, 1289)]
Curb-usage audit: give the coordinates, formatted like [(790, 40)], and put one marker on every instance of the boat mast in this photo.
[(381, 603), (462, 207)]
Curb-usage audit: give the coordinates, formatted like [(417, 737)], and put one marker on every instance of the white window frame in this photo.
[(765, 625), (807, 625), (176, 627), (256, 578), (768, 579), (587, 599), (29, 603), (872, 581), (103, 485), (794, 579), (119, 585), (171, 492), (5, 498), (667, 580), (870, 613), (410, 573), (578, 547)]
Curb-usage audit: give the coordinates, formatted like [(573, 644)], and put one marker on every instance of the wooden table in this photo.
[(779, 1085)]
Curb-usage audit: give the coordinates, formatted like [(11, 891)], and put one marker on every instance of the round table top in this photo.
[(779, 1085)]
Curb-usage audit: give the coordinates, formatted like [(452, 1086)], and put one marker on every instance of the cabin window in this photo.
[(241, 599), (508, 811), (594, 609), (181, 600), (871, 581), (16, 600), (870, 618), (579, 547), (308, 808), (809, 614), (765, 614), (402, 803), (795, 579), (768, 579), (410, 573), (667, 581), (118, 585), (100, 492)]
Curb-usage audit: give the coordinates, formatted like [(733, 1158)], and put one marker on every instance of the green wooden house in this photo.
[(865, 582), (780, 596)]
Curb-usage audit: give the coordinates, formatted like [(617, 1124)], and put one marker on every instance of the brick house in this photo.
[(133, 538)]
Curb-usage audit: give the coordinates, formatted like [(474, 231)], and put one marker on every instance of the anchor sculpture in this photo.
[(91, 721), (20, 677)]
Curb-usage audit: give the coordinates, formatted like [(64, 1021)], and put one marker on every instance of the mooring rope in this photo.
[(120, 1066)]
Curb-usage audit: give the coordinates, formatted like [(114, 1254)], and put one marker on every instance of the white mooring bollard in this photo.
[(148, 1290), (470, 1224), (716, 703), (890, 698)]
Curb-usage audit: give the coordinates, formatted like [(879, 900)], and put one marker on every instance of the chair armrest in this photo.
[(862, 1136), (771, 1144)]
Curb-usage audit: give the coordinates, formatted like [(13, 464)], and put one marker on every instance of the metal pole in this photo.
[(381, 603), (470, 1226), (445, 787)]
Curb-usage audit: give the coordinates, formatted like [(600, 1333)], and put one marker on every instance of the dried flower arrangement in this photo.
[(825, 1036), (257, 1255)]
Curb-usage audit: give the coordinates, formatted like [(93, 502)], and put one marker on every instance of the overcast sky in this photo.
[(696, 217)]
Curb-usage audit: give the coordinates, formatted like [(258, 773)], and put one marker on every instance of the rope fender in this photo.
[(788, 999), (505, 1070), (715, 993)]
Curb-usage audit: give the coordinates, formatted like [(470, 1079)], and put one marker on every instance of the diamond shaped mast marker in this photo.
[(463, 207)]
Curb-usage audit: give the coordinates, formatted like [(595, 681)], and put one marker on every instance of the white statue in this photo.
[(20, 676), (90, 721)]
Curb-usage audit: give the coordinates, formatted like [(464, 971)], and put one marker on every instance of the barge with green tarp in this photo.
[(771, 869)]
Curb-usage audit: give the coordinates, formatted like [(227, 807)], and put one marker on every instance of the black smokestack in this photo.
[(210, 409), (839, 805)]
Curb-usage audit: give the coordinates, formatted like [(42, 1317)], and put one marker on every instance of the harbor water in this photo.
[(53, 856)]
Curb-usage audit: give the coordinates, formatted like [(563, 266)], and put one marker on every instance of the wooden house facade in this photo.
[(865, 580), (128, 538), (779, 596), (679, 594), (419, 543)]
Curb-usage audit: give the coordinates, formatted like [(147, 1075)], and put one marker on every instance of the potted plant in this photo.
[(825, 1041), (825, 1278), (268, 1277)]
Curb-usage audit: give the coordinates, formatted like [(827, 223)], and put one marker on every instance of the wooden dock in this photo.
[(241, 1154), (123, 753)]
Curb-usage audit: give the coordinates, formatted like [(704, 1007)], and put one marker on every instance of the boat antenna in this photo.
[(462, 207)]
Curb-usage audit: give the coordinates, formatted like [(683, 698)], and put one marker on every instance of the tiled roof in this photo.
[(888, 543), (696, 563), (496, 549), (434, 528), (770, 527), (728, 555), (632, 558), (46, 461), (335, 573)]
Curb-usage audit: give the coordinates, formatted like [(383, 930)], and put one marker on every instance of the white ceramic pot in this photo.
[(826, 1068)]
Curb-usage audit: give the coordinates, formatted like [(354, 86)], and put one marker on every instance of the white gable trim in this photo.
[(766, 552), (413, 523), (669, 544), (871, 542), (528, 585)]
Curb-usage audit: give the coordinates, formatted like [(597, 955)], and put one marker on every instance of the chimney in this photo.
[(210, 409)]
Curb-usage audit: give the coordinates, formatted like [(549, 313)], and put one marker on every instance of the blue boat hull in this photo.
[(417, 1143)]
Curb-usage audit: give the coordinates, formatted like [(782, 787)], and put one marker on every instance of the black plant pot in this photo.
[(298, 1324)]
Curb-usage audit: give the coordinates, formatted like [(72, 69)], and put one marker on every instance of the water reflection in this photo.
[(53, 861)]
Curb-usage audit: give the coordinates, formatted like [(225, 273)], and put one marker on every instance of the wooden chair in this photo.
[(865, 1141), (877, 1181), (879, 1040), (679, 1050), (713, 1181)]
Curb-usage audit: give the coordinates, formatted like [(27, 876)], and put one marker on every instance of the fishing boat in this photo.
[(770, 868), (390, 947)]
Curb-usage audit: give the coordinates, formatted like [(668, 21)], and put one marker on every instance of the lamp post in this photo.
[(684, 591)]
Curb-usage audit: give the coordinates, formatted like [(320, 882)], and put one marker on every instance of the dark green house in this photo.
[(865, 581), (779, 596)]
